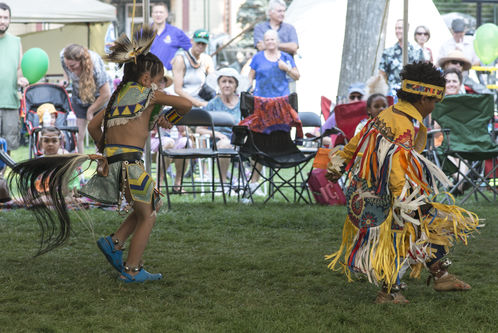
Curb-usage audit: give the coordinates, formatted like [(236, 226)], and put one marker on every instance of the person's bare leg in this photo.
[(81, 134), (179, 168), (145, 220), (255, 176), (224, 162), (125, 230)]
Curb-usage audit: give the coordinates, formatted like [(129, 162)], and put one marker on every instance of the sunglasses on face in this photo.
[(456, 62), (355, 97), (422, 33)]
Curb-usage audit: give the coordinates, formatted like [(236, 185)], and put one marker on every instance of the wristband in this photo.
[(172, 116)]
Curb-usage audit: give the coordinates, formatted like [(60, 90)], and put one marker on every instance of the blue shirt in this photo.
[(271, 81), (286, 32), (216, 104), (168, 42)]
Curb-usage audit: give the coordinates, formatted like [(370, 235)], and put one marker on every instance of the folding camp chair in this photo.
[(311, 142), (467, 143), (348, 116), (275, 150), (225, 119), (196, 117)]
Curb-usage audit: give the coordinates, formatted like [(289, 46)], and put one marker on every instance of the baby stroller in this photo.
[(37, 95)]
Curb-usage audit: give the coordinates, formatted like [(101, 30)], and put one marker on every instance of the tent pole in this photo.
[(405, 32), (148, 159)]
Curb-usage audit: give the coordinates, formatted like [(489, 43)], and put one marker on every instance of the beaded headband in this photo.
[(421, 88)]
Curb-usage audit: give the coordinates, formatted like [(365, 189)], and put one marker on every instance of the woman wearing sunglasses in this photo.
[(422, 35)]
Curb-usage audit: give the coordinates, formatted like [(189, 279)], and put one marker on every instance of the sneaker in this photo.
[(256, 189)]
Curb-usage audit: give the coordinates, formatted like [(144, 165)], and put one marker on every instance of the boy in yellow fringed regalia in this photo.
[(392, 223)]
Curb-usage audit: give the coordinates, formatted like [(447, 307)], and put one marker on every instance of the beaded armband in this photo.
[(172, 116)]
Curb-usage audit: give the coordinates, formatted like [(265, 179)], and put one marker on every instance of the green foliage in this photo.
[(233, 268)]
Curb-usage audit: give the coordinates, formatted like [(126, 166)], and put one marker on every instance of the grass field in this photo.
[(233, 268)]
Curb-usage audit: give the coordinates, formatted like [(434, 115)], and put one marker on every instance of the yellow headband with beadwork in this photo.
[(421, 88)]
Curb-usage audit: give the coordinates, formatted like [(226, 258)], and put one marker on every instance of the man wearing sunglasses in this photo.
[(459, 42)]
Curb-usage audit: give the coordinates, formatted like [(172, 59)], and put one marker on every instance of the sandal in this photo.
[(141, 277), (177, 190), (114, 256)]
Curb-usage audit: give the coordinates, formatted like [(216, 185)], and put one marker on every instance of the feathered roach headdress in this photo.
[(125, 50)]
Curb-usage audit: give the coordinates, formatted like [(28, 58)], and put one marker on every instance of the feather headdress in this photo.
[(125, 50)]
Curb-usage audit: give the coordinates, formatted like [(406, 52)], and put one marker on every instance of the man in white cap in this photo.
[(459, 42)]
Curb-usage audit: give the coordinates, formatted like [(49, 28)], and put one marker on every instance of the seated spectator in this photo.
[(453, 87), (356, 92), (375, 103), (227, 101), (47, 108), (51, 143), (174, 138), (454, 79), (456, 59)]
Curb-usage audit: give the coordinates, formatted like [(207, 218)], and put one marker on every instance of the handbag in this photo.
[(206, 92)]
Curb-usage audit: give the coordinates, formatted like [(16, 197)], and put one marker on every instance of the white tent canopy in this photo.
[(61, 11), (320, 26)]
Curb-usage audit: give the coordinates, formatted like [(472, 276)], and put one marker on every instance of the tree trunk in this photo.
[(363, 41)]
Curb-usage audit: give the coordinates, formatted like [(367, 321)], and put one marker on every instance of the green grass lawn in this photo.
[(233, 268)]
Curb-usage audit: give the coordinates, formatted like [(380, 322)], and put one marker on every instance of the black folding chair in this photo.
[(196, 117), (225, 119), (277, 151), (311, 143)]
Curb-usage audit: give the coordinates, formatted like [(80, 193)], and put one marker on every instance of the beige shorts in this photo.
[(10, 128)]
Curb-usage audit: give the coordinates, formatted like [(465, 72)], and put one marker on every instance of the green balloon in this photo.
[(486, 42), (34, 64)]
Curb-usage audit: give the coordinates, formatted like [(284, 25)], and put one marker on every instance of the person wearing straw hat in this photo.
[(457, 59)]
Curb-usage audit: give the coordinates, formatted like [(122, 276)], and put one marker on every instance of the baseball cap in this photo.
[(358, 87), (458, 25), (201, 36)]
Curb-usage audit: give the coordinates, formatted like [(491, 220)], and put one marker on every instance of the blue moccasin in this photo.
[(115, 257), (141, 277)]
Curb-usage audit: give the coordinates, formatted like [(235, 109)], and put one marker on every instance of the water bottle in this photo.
[(173, 133), (47, 119), (71, 119)]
